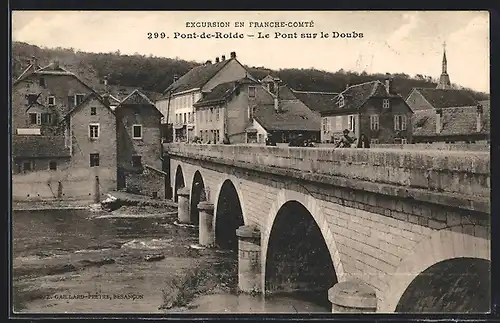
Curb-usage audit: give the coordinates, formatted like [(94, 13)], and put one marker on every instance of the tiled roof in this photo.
[(286, 93), (138, 98), (39, 146), (196, 77), (294, 115), (222, 91), (317, 101), (439, 98), (455, 121)]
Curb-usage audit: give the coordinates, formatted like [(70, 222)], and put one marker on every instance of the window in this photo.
[(189, 117), (341, 101), (324, 124), (42, 81), (93, 111), (51, 100), (32, 98), (32, 118), (374, 122), (94, 160), (385, 104), (94, 131), (136, 161), (351, 123), (79, 98), (270, 87), (185, 119), (52, 165), (27, 166), (404, 141), (211, 114), (137, 131), (338, 123), (251, 91), (374, 141), (399, 122), (46, 118), (217, 114)]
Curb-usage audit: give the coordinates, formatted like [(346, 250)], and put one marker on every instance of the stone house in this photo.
[(370, 108), (176, 103), (139, 148), (41, 97), (226, 109), (469, 124), (435, 99), (316, 101)]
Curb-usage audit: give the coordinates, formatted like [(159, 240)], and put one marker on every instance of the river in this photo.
[(87, 261)]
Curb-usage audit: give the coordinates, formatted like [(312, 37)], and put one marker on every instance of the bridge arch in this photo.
[(302, 208), (229, 213), (445, 258), (198, 194), (179, 181)]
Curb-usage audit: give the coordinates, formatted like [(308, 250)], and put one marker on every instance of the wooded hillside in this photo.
[(156, 73)]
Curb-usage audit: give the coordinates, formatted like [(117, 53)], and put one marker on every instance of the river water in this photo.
[(41, 236)]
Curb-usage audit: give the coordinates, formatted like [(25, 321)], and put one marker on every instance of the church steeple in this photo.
[(444, 79)]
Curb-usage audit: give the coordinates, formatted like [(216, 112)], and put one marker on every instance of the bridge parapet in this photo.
[(455, 178)]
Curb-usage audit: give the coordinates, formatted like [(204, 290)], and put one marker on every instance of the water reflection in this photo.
[(242, 303)]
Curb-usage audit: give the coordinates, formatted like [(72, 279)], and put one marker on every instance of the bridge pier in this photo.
[(249, 268), (206, 230), (183, 215), (352, 297)]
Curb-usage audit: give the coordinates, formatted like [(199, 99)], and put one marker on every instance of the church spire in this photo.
[(444, 79)]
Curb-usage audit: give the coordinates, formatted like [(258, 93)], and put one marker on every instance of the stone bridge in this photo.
[(383, 230)]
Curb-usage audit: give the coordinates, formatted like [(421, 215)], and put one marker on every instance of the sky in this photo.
[(408, 42)]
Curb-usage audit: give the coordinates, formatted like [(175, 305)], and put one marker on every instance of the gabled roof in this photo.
[(294, 115), (85, 100), (196, 77), (27, 70), (355, 96), (222, 91), (317, 101), (455, 121), (39, 146), (137, 98), (51, 69), (440, 98)]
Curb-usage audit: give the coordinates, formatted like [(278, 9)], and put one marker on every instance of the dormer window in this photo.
[(341, 102), (386, 104), (93, 111), (42, 82), (51, 100)]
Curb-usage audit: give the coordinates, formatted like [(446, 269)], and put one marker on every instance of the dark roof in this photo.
[(222, 91), (455, 121), (286, 93), (294, 115), (355, 96), (138, 98), (196, 77), (39, 146), (316, 101), (439, 98), (90, 95)]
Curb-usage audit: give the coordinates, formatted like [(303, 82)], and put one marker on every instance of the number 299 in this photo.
[(156, 35)]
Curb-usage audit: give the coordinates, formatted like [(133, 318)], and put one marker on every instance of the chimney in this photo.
[(439, 114), (388, 85), (479, 118), (208, 62), (176, 77), (55, 64), (216, 60), (106, 84), (223, 57), (233, 54), (34, 63), (347, 86)]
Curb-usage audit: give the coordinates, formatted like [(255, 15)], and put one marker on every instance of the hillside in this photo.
[(156, 73)]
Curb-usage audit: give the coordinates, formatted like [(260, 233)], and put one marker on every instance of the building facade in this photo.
[(178, 99), (372, 109)]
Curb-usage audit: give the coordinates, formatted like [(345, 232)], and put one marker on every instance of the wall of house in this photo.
[(417, 102), (209, 120), (148, 147), (336, 125), (386, 133), (231, 72), (261, 132), (39, 164), (59, 86)]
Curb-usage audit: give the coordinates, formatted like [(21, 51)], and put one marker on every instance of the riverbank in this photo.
[(134, 259)]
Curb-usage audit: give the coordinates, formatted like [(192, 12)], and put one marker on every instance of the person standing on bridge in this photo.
[(363, 141), (345, 141), (225, 140)]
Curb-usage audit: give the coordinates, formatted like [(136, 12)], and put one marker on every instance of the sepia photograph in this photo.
[(250, 162)]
